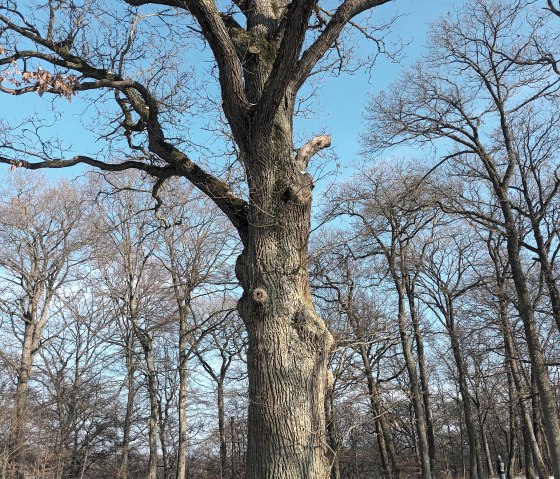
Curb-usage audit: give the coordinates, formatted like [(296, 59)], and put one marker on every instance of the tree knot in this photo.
[(260, 296)]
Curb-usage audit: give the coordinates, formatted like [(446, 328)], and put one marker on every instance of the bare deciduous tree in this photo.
[(470, 94), (263, 53), (38, 245)]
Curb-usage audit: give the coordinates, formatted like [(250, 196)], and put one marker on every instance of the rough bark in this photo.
[(288, 342), (260, 69)]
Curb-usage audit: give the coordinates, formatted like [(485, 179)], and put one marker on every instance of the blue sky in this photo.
[(344, 99), (338, 110)]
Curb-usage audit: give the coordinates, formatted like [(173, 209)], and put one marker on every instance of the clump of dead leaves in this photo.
[(41, 80)]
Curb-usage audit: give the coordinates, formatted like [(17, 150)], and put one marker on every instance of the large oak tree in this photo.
[(263, 52)]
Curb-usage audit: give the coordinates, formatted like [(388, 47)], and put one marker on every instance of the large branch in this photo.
[(348, 10), (295, 26), (146, 106), (312, 147), (215, 32), (554, 9), (157, 171), (234, 207)]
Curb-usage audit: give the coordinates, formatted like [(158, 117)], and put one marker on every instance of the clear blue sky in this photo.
[(338, 111), (344, 99)]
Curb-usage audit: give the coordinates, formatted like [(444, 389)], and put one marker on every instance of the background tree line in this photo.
[(122, 354)]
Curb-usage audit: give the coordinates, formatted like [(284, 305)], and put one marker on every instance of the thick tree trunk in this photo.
[(288, 343)]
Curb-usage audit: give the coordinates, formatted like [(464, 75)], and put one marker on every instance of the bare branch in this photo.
[(553, 8), (157, 171), (348, 10), (216, 34)]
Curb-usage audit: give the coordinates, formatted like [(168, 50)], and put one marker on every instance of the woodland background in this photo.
[(120, 344)]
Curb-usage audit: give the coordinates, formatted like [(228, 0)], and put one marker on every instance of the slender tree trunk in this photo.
[(511, 436), (423, 379), (222, 429), (542, 251), (537, 418), (18, 423), (524, 302), (532, 450), (460, 415), (146, 343), (182, 402), (234, 449), (332, 434), (33, 330), (288, 343), (390, 445), (417, 399), (528, 454), (476, 469), (387, 472), (486, 448), (513, 361), (385, 441), (127, 424), (162, 423)]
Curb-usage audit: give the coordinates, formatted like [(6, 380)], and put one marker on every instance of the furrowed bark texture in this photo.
[(288, 343)]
